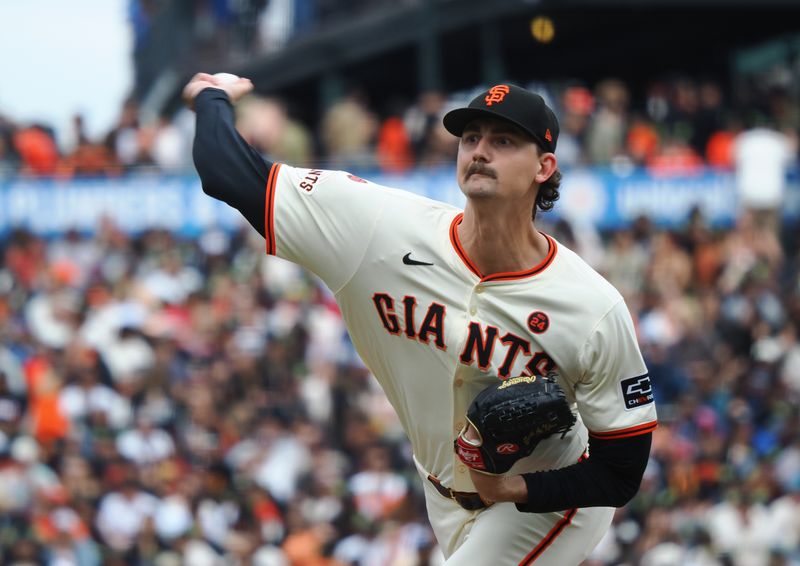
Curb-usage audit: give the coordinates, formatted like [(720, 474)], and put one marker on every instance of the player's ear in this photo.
[(547, 166)]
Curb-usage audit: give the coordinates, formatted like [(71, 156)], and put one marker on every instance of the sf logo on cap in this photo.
[(496, 94)]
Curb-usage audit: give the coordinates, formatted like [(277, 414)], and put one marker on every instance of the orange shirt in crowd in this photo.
[(394, 147), (642, 142), (719, 149), (304, 548), (675, 159), (38, 151), (49, 422)]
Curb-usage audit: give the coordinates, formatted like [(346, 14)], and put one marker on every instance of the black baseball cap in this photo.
[(512, 103)]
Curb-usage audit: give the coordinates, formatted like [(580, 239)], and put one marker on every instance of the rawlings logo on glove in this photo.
[(511, 417)]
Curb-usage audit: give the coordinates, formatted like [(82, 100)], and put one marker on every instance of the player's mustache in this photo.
[(481, 169)]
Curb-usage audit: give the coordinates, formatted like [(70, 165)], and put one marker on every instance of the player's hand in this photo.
[(235, 90), (508, 419), (499, 488), (495, 487)]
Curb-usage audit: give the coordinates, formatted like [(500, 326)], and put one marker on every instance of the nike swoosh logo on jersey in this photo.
[(408, 261)]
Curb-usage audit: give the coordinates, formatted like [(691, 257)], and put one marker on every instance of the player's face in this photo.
[(495, 158)]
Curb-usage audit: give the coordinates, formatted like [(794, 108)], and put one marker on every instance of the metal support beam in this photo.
[(493, 65), (429, 73)]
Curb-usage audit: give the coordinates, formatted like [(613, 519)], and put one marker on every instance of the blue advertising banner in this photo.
[(139, 202)]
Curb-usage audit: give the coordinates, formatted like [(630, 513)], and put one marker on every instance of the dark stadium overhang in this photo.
[(455, 44)]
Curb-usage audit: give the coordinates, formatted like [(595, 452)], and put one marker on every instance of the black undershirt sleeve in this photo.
[(610, 477), (229, 168)]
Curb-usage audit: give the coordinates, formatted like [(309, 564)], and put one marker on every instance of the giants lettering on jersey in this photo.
[(482, 339), (311, 178), (432, 325)]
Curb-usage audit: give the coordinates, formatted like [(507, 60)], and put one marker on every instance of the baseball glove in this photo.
[(511, 418)]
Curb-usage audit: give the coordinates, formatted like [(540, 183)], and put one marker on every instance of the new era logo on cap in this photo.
[(523, 108)]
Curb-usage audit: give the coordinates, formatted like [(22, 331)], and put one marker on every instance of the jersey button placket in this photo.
[(473, 300)]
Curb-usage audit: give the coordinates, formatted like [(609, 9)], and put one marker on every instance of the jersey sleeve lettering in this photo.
[(322, 220), (614, 395)]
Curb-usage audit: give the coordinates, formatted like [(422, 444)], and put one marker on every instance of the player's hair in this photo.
[(548, 193)]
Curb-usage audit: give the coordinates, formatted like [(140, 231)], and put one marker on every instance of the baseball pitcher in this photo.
[(513, 366)]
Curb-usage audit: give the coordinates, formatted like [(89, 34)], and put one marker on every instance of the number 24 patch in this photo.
[(637, 391)]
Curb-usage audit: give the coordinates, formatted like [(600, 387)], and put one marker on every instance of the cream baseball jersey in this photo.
[(435, 331)]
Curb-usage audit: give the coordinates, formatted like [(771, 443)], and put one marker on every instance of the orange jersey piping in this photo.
[(269, 208), (548, 539), (626, 432), (503, 276)]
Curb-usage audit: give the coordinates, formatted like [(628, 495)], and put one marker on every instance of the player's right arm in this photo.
[(229, 168), (322, 220)]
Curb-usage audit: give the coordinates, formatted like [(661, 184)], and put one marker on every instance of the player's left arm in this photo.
[(616, 404), (610, 478)]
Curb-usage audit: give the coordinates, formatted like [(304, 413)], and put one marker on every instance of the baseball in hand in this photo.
[(225, 78)]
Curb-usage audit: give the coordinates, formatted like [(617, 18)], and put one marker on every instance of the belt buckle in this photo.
[(442, 488)]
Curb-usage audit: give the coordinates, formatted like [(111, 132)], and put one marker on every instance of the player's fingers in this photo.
[(471, 434), (238, 89), (193, 88), (202, 77), (485, 484)]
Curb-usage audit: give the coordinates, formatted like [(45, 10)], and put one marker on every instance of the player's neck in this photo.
[(500, 243)]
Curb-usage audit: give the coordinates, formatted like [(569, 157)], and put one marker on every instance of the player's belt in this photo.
[(470, 501)]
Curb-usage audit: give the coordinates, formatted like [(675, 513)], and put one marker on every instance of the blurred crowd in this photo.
[(169, 401), (678, 125)]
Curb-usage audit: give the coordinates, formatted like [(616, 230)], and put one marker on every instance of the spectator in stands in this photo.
[(643, 142), (683, 107), (263, 123), (440, 147), (720, 148), (578, 104), (710, 115), (169, 151), (605, 137), (122, 141), (145, 445), (9, 158), (422, 119), (348, 131), (625, 264), (377, 490), (674, 157), (12, 409), (37, 149), (123, 514), (761, 157), (86, 396), (85, 158), (393, 149)]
